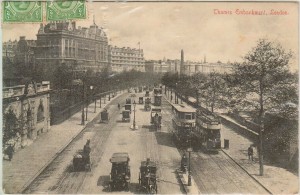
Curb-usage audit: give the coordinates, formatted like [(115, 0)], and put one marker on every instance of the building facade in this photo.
[(126, 59), (191, 68), (162, 66), (62, 42), (9, 50), (25, 53), (30, 106)]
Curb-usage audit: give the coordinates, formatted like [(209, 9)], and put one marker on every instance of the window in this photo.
[(188, 116)]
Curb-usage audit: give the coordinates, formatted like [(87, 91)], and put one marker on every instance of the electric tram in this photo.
[(184, 122), (208, 131)]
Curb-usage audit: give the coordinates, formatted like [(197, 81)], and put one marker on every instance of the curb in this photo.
[(182, 180), (257, 181), (187, 189), (27, 184)]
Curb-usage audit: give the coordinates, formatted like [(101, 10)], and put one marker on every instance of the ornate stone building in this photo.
[(63, 42), (125, 59), (9, 50), (25, 53), (26, 112)]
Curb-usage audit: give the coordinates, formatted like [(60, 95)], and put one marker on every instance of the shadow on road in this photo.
[(164, 138), (104, 182)]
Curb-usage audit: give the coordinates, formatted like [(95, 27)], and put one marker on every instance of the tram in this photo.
[(157, 100), (184, 122), (157, 91), (207, 133)]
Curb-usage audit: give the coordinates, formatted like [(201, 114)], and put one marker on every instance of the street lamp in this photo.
[(87, 104), (176, 95), (189, 150), (83, 101), (134, 127)]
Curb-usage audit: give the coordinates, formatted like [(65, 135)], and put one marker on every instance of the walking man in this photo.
[(250, 152)]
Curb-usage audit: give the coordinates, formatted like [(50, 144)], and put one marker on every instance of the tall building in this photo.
[(25, 53), (62, 42), (125, 59), (9, 50)]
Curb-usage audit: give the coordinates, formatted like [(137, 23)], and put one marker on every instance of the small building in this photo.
[(26, 112)]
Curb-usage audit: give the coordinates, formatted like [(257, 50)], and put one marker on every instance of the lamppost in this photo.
[(134, 127), (87, 104), (83, 102), (189, 150), (95, 98), (176, 95)]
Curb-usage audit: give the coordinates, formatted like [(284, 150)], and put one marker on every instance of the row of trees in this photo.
[(261, 83)]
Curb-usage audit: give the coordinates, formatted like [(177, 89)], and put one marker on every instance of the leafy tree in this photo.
[(263, 73), (11, 126)]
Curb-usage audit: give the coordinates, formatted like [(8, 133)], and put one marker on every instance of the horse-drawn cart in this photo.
[(156, 117), (120, 171), (81, 161), (104, 116), (147, 177)]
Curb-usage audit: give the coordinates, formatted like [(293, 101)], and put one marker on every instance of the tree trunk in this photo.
[(262, 127)]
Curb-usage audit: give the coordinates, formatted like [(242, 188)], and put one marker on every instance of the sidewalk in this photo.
[(275, 179), (193, 189), (27, 163)]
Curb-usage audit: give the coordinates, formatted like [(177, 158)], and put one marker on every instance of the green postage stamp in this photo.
[(65, 10), (22, 11), (32, 11)]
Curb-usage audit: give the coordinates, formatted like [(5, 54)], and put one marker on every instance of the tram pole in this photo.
[(83, 102), (189, 151)]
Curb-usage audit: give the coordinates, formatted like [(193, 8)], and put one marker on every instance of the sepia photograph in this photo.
[(150, 97)]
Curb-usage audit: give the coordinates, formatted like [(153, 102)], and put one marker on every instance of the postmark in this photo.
[(22, 11), (65, 10)]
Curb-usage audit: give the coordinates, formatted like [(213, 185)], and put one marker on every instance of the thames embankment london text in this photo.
[(249, 12)]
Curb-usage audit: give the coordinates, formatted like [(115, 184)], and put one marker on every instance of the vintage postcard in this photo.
[(152, 97)]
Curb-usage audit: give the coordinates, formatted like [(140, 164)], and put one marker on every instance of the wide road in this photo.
[(106, 139), (217, 173)]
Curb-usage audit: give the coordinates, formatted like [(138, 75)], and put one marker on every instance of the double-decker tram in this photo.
[(208, 130), (184, 121), (157, 96)]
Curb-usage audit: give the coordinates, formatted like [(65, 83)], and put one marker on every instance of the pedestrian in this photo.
[(119, 106), (250, 152), (171, 98), (86, 152), (10, 151)]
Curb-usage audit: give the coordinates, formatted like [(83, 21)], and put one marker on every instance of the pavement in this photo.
[(193, 188), (276, 180), (27, 163)]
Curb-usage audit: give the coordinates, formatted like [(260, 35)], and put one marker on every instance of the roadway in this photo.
[(213, 173), (106, 139)]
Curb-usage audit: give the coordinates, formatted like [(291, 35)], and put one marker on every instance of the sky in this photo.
[(199, 28)]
